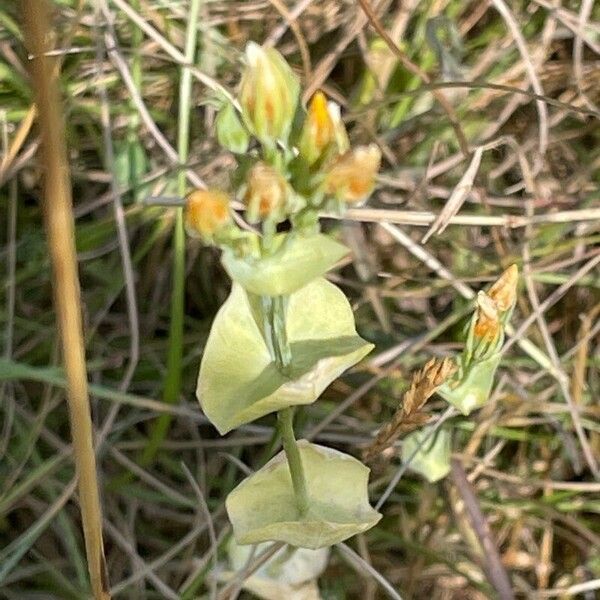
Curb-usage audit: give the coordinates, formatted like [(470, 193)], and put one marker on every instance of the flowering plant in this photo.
[(285, 332)]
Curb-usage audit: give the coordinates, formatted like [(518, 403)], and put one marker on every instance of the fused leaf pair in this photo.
[(291, 573), (239, 379), (263, 507), (428, 452), (294, 260)]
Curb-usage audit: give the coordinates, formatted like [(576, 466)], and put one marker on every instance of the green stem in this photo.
[(276, 308), (137, 39), (175, 353), (285, 418), (276, 319)]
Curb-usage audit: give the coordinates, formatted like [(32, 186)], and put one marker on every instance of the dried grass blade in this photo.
[(457, 198)]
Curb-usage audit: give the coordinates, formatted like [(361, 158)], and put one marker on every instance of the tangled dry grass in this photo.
[(487, 114)]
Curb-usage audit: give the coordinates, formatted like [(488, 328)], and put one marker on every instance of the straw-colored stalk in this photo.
[(58, 214)]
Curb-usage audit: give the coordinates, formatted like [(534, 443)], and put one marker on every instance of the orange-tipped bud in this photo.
[(352, 176), (207, 212), (268, 94), (504, 291), (266, 193), (318, 131), (487, 325)]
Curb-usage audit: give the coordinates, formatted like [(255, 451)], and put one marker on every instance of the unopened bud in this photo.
[(207, 212), (266, 193), (268, 94), (231, 134), (352, 177), (318, 131), (339, 129), (487, 324), (504, 291)]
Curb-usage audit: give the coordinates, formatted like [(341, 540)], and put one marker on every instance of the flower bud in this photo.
[(471, 387), (352, 177), (207, 212), (268, 94), (266, 193), (318, 131), (339, 129), (487, 323), (504, 291), (231, 134)]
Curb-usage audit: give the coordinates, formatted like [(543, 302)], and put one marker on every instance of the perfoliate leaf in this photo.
[(239, 380), (292, 566), (432, 460), (263, 507), (267, 589), (299, 259), (473, 389), (291, 573)]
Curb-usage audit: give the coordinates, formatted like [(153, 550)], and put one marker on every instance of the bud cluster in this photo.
[(300, 164), (493, 309), (470, 387)]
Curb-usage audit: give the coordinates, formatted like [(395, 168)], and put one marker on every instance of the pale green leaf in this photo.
[(268, 589), (230, 132), (239, 380), (473, 389), (288, 565), (299, 259), (263, 507), (432, 459)]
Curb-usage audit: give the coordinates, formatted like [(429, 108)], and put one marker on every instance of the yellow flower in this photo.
[(504, 291), (266, 193), (207, 212), (268, 94), (487, 325), (318, 131), (352, 176)]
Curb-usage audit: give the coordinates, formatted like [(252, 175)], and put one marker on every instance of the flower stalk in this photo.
[(175, 344)]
